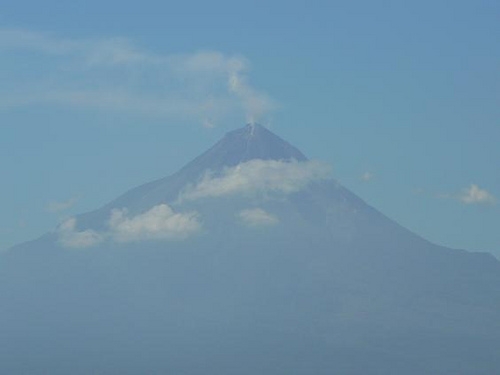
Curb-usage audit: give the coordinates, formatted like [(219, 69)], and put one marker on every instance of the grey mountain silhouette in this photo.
[(331, 287)]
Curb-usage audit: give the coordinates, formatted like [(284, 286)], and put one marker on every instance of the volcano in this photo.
[(251, 259)]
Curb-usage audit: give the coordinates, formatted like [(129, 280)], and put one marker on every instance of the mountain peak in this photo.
[(253, 141), (250, 130)]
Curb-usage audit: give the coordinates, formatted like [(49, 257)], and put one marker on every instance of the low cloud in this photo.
[(476, 195), (113, 74), (159, 223), (55, 207), (70, 237), (257, 217), (257, 176)]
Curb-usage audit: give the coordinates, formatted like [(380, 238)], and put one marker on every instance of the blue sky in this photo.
[(401, 98)]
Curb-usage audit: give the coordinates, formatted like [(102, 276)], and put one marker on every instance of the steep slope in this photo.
[(248, 143), (249, 260)]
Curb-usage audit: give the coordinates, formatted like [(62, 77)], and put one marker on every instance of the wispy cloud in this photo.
[(56, 207), (476, 195), (114, 74), (257, 176), (109, 51), (159, 223), (256, 217)]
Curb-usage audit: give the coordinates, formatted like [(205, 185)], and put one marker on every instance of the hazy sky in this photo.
[(401, 98)]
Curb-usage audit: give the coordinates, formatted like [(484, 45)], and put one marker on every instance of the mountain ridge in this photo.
[(281, 271), (253, 141)]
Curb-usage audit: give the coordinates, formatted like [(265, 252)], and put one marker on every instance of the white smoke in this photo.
[(113, 74)]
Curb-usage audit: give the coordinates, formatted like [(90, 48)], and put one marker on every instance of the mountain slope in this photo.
[(249, 260)]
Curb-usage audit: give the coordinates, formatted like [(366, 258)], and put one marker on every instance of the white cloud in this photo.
[(258, 176), (56, 207), (115, 75), (367, 176), (71, 238), (475, 195), (159, 223), (257, 217)]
